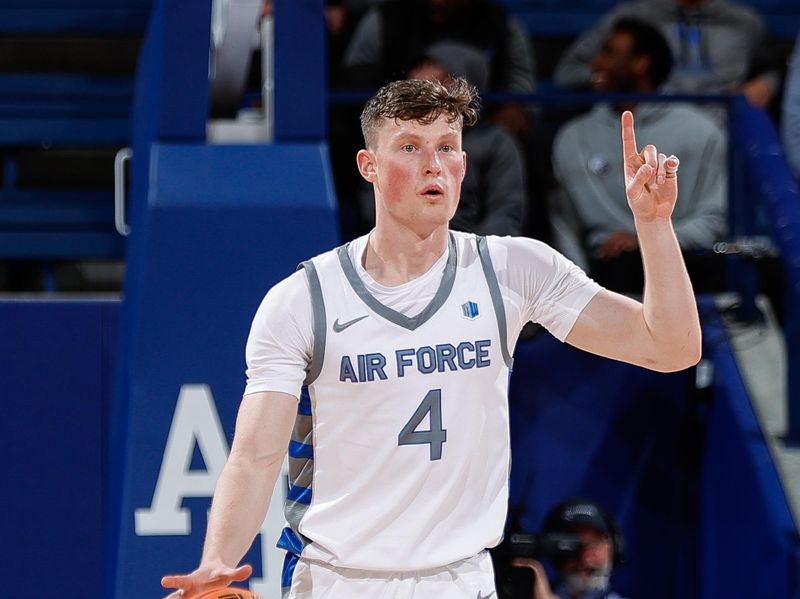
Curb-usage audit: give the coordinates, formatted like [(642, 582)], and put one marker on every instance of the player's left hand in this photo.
[(651, 179), (207, 576)]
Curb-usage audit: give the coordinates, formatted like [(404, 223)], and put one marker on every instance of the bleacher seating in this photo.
[(568, 18), (62, 16), (66, 86)]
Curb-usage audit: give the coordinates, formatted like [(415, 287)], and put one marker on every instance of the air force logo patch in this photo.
[(470, 310)]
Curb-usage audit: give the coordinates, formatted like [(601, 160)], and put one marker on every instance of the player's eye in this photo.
[(408, 148), (447, 148)]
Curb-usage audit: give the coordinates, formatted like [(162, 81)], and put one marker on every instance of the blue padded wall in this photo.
[(300, 78), (56, 365), (745, 515)]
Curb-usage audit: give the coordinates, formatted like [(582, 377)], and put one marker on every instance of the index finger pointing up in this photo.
[(628, 136)]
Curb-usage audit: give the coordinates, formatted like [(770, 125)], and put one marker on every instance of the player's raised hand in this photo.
[(651, 179), (206, 577)]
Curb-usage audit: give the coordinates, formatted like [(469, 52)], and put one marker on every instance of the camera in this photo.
[(518, 582), (554, 546)]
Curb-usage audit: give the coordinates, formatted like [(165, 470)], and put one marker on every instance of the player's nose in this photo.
[(431, 163)]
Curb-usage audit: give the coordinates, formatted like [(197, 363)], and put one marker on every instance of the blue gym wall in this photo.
[(56, 368)]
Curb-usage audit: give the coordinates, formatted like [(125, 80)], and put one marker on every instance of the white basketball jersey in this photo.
[(400, 455)]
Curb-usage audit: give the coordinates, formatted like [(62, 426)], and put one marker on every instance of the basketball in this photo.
[(229, 593)]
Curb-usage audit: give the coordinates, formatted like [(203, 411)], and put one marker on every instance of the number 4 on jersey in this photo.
[(435, 436)]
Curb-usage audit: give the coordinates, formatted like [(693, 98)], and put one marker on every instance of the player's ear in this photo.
[(366, 165), (463, 165)]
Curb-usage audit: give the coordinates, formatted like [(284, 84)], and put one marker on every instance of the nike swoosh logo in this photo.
[(487, 596), (338, 327)]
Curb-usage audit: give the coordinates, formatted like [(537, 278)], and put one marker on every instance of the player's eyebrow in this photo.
[(407, 136)]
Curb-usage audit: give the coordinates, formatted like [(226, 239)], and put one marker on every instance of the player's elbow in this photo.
[(679, 357), (679, 363)]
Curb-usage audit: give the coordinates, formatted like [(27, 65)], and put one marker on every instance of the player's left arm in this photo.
[(663, 331)]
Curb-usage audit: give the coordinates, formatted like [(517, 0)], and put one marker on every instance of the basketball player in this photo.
[(399, 453)]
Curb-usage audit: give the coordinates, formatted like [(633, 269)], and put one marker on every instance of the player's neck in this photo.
[(400, 255)]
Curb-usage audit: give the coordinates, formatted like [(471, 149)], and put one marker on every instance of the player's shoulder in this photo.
[(321, 258), (469, 246), (464, 241), (288, 291), (296, 286), (297, 282), (511, 252), (283, 302), (328, 261), (516, 243)]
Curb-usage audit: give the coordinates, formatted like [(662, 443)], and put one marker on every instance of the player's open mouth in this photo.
[(433, 191)]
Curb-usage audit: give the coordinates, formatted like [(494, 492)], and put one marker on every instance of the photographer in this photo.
[(583, 543)]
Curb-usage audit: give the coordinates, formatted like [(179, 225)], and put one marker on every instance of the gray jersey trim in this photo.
[(497, 297), (410, 323), (320, 323)]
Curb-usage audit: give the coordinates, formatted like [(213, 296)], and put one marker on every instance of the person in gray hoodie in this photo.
[(716, 45), (493, 194), (592, 222)]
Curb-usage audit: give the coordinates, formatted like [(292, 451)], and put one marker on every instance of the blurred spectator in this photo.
[(493, 196), (591, 220), (717, 45), (790, 121), (585, 573), (392, 37), (341, 18)]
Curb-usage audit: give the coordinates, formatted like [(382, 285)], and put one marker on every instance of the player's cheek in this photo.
[(397, 182), (455, 167)]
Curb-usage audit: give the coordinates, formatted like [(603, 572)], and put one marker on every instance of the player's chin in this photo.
[(439, 211)]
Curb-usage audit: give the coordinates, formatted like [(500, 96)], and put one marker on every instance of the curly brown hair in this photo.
[(421, 101)]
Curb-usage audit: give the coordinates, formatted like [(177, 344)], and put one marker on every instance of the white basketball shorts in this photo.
[(472, 578)]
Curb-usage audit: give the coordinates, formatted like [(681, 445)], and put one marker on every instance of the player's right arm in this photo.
[(278, 353), (242, 495)]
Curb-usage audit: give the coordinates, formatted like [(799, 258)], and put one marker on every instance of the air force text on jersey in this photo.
[(442, 357)]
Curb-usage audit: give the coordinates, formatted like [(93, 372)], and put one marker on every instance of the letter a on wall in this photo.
[(195, 423)]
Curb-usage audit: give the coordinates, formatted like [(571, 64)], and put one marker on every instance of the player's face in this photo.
[(417, 172)]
